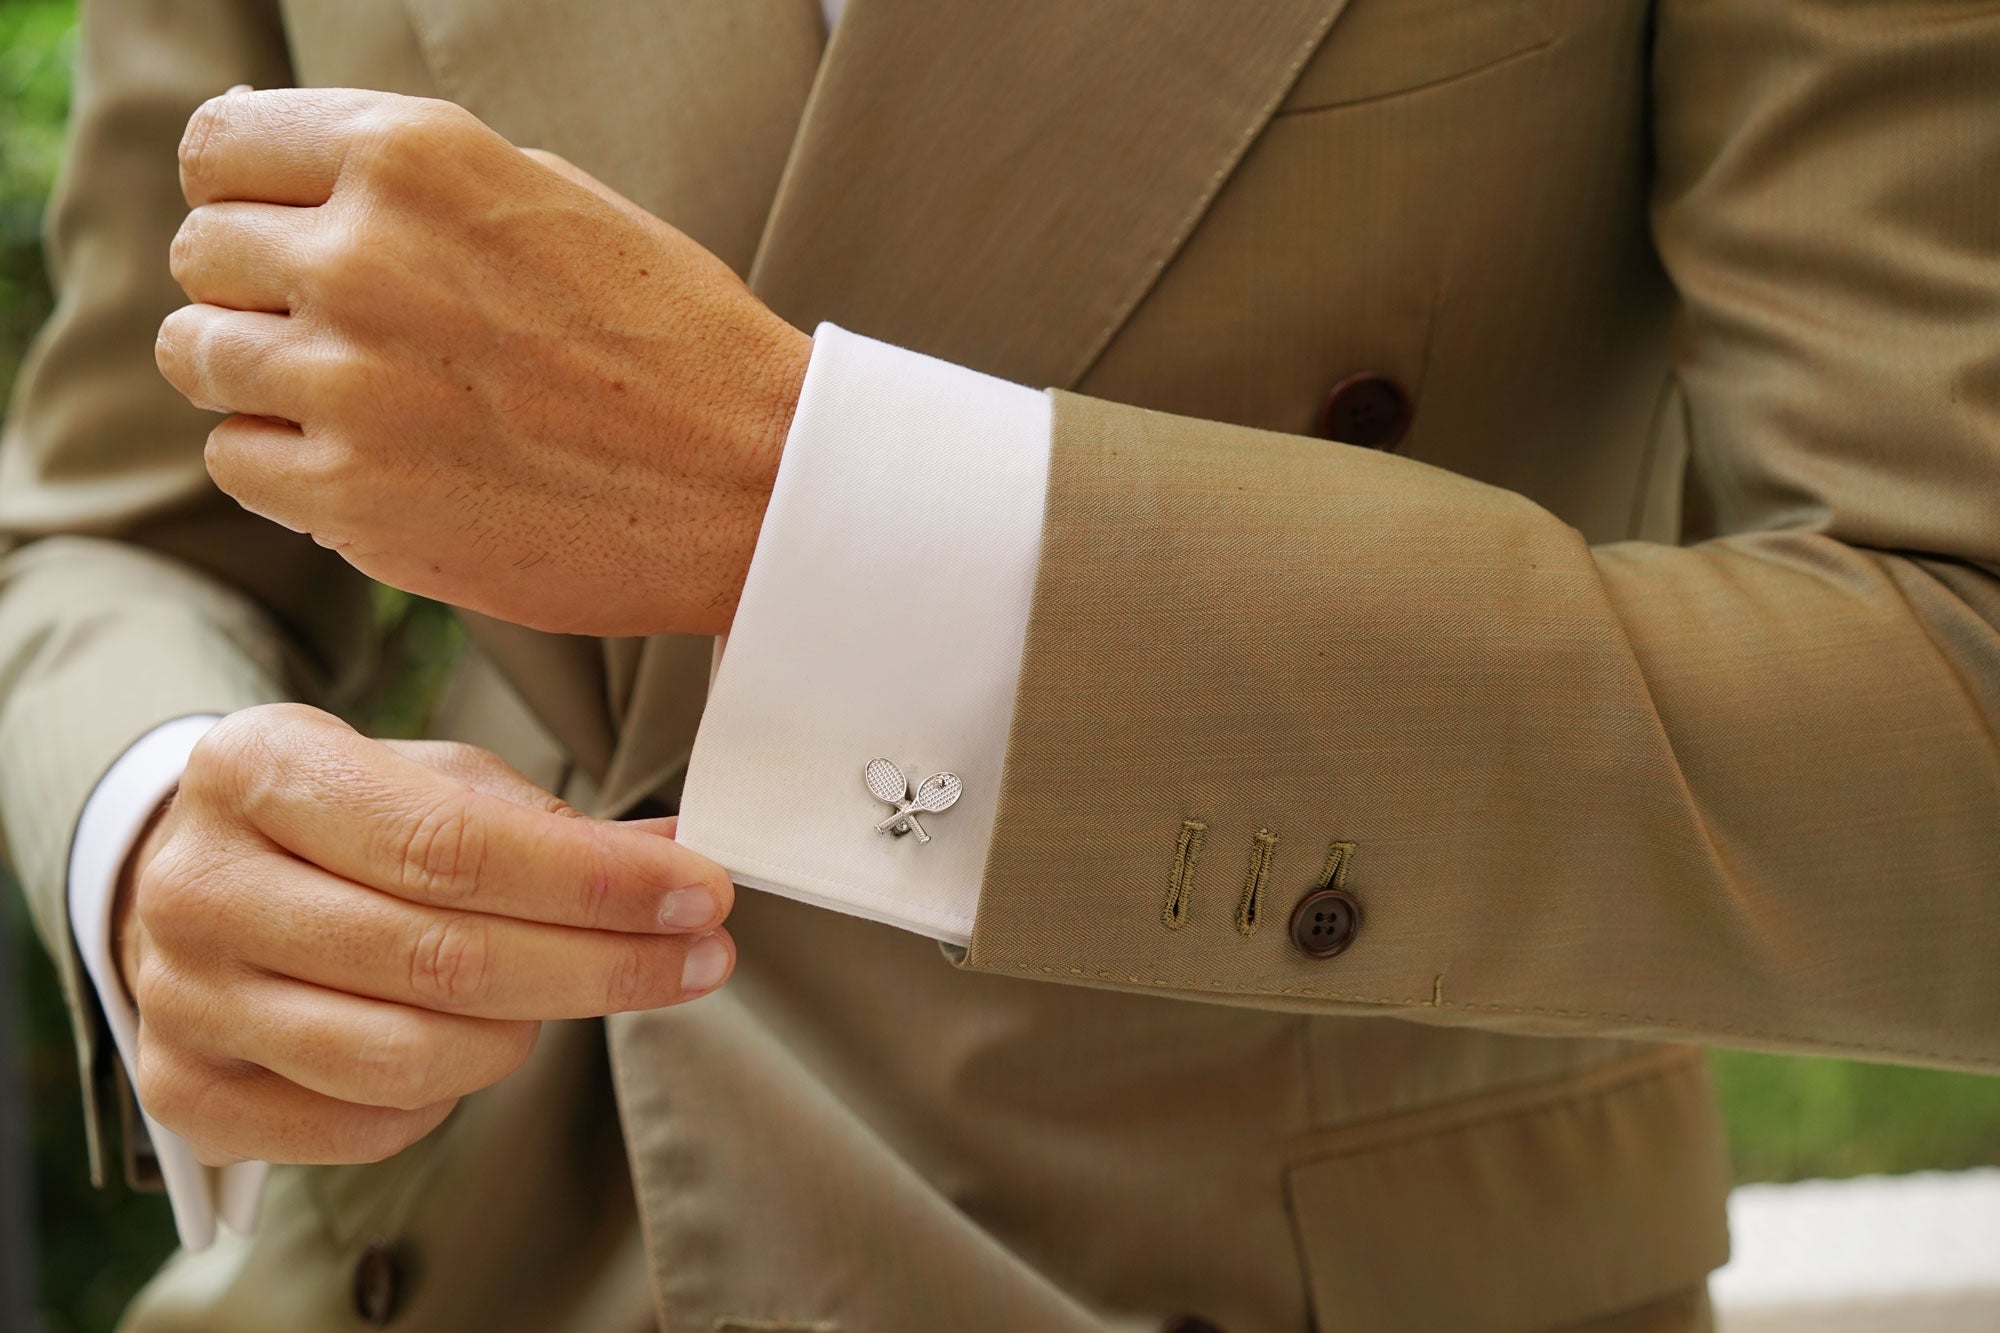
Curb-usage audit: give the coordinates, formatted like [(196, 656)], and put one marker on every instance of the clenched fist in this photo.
[(477, 373), (331, 939)]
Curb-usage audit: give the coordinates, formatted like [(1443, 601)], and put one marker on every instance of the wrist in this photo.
[(768, 402), (783, 379)]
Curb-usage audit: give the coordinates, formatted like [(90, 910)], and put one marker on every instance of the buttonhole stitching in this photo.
[(1333, 874), (1180, 888), (1263, 850)]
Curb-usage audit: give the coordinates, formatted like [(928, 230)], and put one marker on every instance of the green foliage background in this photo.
[(1789, 1118)]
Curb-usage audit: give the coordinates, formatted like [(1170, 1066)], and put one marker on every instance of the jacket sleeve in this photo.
[(131, 590), (1745, 790)]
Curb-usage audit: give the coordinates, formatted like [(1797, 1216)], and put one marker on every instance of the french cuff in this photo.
[(882, 618), (113, 819)]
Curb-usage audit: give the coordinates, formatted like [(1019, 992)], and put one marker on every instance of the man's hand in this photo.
[(331, 939), (477, 373)]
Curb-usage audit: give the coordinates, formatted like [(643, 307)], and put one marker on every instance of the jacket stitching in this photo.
[(1263, 850), (1527, 1011), (1411, 90), (1333, 872), (1180, 886)]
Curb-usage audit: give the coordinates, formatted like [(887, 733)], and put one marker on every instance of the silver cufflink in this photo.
[(936, 793)]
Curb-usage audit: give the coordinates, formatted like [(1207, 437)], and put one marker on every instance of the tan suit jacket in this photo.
[(1654, 677)]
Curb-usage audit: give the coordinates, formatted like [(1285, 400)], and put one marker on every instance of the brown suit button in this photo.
[(1190, 1323), (378, 1284), (1366, 409), (1325, 922)]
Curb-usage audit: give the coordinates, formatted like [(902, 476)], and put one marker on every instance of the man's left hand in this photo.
[(476, 372)]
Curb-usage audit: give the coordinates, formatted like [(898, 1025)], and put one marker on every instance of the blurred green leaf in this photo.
[(1792, 1118), (35, 53), (35, 50)]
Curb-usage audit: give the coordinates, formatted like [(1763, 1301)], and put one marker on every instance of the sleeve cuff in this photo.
[(112, 820), (883, 617)]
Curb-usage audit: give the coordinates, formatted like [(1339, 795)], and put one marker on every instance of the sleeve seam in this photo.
[(1680, 1025)]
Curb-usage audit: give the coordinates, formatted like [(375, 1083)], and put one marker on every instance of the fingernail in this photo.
[(685, 909), (705, 965), (237, 88)]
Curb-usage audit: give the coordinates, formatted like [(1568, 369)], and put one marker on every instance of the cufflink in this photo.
[(934, 795)]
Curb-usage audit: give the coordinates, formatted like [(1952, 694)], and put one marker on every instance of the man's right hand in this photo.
[(331, 939)]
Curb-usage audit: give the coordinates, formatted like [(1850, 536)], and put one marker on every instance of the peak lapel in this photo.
[(999, 185), (689, 108)]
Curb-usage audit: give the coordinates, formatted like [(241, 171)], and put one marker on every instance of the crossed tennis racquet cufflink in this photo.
[(934, 795)]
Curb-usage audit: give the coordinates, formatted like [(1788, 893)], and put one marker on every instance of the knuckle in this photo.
[(154, 992), (224, 762), (197, 139), (291, 716), (217, 752), (523, 1036), (341, 266), (635, 980), (191, 354), (593, 898), (250, 754), (212, 346), (451, 961), (337, 375), (339, 381), (444, 854), (224, 748), (174, 347), (400, 1064), (398, 140), (164, 1084), (321, 261), (378, 1137), (221, 463), (339, 391), (593, 873), (169, 897), (434, 119), (186, 246)]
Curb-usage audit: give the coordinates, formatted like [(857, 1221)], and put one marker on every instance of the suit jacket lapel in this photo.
[(998, 185), (689, 109)]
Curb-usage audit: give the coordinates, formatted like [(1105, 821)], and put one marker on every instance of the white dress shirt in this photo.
[(883, 616), (112, 820)]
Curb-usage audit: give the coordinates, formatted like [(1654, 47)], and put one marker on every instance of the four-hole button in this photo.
[(1325, 922), (1368, 409)]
